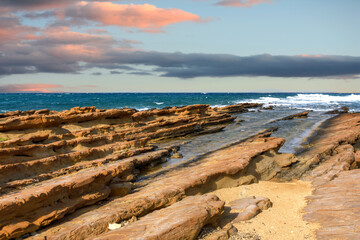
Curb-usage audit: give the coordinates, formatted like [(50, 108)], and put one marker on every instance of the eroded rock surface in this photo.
[(219, 169), (335, 205), (70, 174), (249, 207), (297, 115), (182, 220), (54, 163)]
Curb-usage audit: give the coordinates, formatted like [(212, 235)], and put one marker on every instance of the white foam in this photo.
[(218, 106), (142, 109), (159, 103), (316, 102)]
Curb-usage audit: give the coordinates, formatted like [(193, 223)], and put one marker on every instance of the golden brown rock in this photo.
[(182, 220), (55, 163)]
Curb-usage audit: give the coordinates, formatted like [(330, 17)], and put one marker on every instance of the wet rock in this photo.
[(238, 108), (343, 109), (297, 115), (270, 107), (333, 146)]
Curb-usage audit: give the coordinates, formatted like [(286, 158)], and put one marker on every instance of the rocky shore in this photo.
[(88, 173)]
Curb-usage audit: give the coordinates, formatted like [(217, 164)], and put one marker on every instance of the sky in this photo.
[(180, 46)]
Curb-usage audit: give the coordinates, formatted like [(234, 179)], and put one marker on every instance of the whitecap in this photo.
[(311, 101)]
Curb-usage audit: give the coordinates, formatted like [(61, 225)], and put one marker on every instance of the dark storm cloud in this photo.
[(182, 65), (221, 65)]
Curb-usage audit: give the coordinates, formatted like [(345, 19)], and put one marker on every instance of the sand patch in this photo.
[(283, 221)]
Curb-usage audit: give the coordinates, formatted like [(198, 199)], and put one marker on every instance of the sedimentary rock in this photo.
[(182, 220), (297, 115), (54, 163), (210, 172), (238, 108), (335, 205), (249, 207), (343, 109), (332, 144)]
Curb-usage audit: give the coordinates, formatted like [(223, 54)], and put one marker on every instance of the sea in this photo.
[(145, 101)]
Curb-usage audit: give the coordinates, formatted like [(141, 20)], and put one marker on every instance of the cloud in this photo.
[(32, 87), (58, 56), (57, 50), (36, 5), (12, 30), (60, 50), (146, 17), (241, 3)]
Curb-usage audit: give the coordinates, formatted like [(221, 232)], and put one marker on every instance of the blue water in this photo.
[(143, 101)]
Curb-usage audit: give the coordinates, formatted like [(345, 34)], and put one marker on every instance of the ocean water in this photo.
[(143, 101)]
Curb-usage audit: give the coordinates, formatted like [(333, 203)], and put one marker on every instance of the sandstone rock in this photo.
[(177, 155), (182, 220), (270, 107), (285, 159), (335, 206), (249, 207), (297, 115), (208, 173), (120, 189), (332, 144), (343, 109), (223, 234), (56, 163), (238, 108)]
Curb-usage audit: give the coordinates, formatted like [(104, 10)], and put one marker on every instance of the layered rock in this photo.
[(335, 205), (238, 108), (219, 169), (57, 162), (333, 145), (249, 207), (182, 220), (293, 116)]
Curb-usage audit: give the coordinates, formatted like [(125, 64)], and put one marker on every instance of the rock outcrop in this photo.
[(72, 174), (297, 115), (335, 205), (222, 168), (249, 207), (54, 163), (182, 220)]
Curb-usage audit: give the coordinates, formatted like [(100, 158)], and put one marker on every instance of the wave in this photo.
[(315, 102)]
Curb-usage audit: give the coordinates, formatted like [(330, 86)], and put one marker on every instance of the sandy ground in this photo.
[(283, 221)]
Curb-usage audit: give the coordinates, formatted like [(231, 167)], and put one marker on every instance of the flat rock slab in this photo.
[(182, 220), (336, 206), (249, 207)]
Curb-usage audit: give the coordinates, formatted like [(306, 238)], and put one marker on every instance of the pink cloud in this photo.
[(35, 5), (241, 3), (32, 87), (312, 56), (146, 17), (12, 30)]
